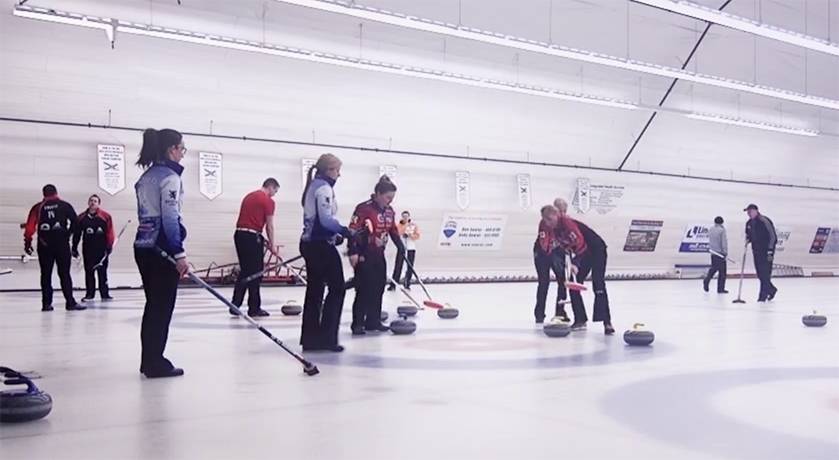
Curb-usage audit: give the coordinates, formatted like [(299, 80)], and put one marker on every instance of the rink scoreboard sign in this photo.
[(483, 232)]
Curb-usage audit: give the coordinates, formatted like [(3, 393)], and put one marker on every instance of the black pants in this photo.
[(321, 317), (718, 265), (545, 263), (397, 267), (369, 287), (91, 258), (764, 273), (55, 253), (250, 250), (594, 262), (160, 283)]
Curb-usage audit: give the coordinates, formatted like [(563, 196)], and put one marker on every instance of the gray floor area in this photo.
[(721, 380)]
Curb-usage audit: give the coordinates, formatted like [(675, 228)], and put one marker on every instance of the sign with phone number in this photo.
[(472, 232)]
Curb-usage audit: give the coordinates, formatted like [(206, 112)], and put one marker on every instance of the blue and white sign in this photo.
[(695, 238), (483, 232)]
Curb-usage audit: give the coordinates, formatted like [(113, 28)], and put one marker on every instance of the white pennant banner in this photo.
[(462, 186), (525, 199), (582, 199), (210, 166), (389, 171), (111, 162)]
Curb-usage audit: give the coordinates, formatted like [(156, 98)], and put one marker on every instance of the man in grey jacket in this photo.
[(718, 247)]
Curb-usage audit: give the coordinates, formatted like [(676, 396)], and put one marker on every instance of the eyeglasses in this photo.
[(183, 149)]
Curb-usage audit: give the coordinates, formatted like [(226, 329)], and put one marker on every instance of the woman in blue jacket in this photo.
[(324, 269), (159, 200)]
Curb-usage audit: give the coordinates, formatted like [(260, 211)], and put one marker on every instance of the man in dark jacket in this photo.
[(760, 232), (54, 222), (95, 230)]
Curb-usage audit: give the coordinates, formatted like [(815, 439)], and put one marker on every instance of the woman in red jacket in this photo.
[(367, 255), (548, 256), (588, 255)]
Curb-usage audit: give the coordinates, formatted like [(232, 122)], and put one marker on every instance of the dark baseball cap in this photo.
[(751, 206)]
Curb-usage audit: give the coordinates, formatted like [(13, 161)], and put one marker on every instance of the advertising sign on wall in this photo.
[(695, 238), (484, 232), (643, 235)]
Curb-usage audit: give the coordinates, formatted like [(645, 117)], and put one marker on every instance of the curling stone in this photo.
[(448, 312), (383, 316), (556, 327), (22, 405), (292, 308), (406, 310), (814, 320), (403, 326), (637, 336)]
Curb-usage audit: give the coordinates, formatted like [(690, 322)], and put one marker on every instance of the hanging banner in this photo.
[(820, 240), (111, 162), (601, 198), (643, 235), (525, 198), (695, 238), (783, 236), (483, 232), (462, 184), (305, 164), (389, 171), (582, 199), (210, 174)]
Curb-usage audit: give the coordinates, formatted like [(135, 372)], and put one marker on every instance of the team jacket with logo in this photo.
[(383, 227), (53, 219), (319, 210), (545, 240), (159, 200), (95, 230), (576, 237)]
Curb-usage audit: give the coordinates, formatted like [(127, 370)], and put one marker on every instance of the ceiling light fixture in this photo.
[(752, 124), (166, 33), (495, 38), (743, 24), (49, 15)]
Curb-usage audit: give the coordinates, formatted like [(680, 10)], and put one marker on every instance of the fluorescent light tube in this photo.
[(494, 38), (752, 124), (744, 25)]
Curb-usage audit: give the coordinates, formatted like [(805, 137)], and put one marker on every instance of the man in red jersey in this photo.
[(95, 230), (255, 213)]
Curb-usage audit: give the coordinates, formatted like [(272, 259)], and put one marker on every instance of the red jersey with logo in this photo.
[(52, 219), (95, 230), (254, 211), (383, 222), (569, 237), (545, 240)]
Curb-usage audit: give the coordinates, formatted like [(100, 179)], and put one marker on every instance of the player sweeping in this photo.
[(367, 255), (588, 255), (548, 256)]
